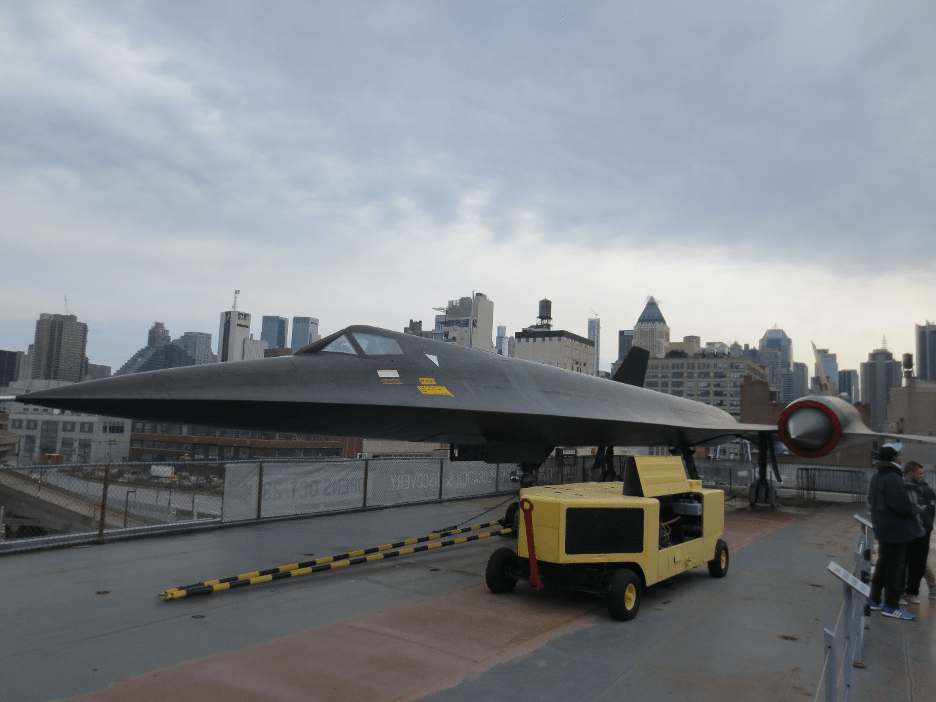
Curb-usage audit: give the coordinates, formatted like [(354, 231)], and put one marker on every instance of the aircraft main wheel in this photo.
[(511, 519), (624, 595), (718, 566), (501, 572)]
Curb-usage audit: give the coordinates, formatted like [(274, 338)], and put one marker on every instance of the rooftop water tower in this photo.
[(544, 320)]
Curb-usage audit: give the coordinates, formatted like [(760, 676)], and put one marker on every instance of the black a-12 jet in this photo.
[(372, 383)]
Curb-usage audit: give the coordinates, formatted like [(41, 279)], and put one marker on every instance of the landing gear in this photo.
[(761, 491), (527, 476), (604, 461)]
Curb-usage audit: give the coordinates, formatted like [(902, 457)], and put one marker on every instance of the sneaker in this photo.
[(903, 601), (896, 613), (873, 605), (913, 599)]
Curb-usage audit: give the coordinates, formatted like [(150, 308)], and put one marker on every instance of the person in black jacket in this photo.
[(895, 523), (918, 548)]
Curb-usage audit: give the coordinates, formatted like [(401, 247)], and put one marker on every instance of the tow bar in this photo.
[(341, 560)]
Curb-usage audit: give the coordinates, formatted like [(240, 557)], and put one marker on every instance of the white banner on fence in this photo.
[(308, 488), (396, 482), (326, 486), (292, 488), (466, 479)]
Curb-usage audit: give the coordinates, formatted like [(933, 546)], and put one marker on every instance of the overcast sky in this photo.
[(747, 164)]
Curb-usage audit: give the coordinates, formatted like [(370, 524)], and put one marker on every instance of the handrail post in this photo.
[(441, 475), (366, 474), (847, 629), (260, 491), (829, 673), (104, 502)]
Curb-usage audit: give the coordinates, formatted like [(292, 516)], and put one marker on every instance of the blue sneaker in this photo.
[(896, 613), (873, 605)]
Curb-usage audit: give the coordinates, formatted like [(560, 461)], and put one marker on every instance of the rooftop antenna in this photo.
[(234, 306), (66, 305), (884, 342)]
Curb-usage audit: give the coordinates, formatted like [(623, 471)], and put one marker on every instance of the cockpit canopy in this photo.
[(363, 343)]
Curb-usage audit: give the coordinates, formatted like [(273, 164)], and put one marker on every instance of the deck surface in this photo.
[(85, 621)]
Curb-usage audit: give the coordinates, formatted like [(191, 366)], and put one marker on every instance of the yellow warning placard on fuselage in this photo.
[(434, 390), (427, 381)]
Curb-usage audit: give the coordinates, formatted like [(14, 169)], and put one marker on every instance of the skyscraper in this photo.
[(467, 321), (274, 332), (59, 348), (770, 359), (501, 345), (594, 333), (800, 381), (625, 342), (926, 351), (848, 385), (777, 339), (878, 375), (651, 331), (197, 345), (253, 349), (11, 367), (235, 329), (305, 331), (158, 335)]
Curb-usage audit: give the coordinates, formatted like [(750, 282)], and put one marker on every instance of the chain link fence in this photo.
[(43, 500), (44, 504)]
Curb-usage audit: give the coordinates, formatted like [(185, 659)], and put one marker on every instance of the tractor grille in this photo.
[(604, 530)]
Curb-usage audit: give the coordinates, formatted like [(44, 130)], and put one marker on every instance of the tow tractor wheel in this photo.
[(624, 595), (511, 519), (501, 572), (718, 566)]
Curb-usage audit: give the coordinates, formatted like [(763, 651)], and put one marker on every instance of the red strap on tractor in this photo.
[(527, 508)]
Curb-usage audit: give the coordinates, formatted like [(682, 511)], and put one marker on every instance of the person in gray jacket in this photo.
[(895, 523), (918, 548)]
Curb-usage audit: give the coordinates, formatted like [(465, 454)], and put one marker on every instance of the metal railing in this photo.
[(811, 480), (846, 640)]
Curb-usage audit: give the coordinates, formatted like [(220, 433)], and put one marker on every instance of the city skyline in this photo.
[(156, 158), (136, 338)]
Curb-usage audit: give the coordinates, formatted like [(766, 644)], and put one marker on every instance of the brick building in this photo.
[(165, 441)]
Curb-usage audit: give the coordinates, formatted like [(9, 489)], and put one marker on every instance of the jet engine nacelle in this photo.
[(814, 426)]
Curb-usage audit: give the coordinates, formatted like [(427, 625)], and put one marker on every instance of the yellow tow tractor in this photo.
[(615, 539)]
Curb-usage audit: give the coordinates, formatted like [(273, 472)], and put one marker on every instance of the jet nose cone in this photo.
[(810, 429)]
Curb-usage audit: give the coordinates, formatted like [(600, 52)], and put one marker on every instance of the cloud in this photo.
[(363, 162)]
